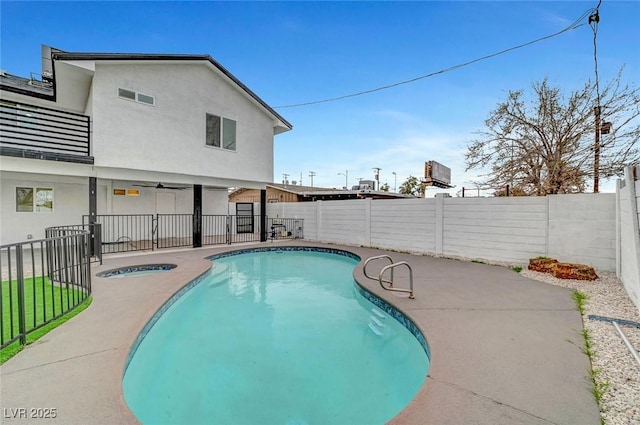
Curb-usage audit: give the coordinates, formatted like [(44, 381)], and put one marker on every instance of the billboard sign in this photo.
[(436, 174)]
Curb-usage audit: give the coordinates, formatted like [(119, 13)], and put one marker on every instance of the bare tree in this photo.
[(545, 143)]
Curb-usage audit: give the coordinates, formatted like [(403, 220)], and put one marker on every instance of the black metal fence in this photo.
[(174, 230), (141, 232), (244, 228), (215, 229), (95, 236), (41, 281), (285, 228), (124, 232)]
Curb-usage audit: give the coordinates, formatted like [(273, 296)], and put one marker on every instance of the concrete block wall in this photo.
[(308, 211), (582, 229), (404, 224), (344, 222), (628, 231), (502, 229), (571, 228)]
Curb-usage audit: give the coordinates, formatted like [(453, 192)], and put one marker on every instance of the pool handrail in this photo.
[(390, 267), (377, 257)]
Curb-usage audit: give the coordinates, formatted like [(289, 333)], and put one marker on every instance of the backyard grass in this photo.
[(43, 301)]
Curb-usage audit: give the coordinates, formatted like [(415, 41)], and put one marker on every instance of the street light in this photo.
[(395, 180), (346, 178)]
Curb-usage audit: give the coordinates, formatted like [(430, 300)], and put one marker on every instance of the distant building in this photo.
[(277, 192)]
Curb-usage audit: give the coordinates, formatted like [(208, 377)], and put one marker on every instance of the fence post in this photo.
[(439, 227), (93, 208), (263, 215), (318, 220), (196, 226), (22, 320), (367, 222)]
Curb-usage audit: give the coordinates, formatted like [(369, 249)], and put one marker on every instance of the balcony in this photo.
[(29, 131)]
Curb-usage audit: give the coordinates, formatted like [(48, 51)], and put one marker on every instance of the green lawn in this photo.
[(43, 301)]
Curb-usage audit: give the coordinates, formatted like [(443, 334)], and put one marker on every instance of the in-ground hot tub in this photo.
[(138, 270)]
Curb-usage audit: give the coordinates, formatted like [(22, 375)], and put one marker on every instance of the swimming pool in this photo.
[(275, 337)]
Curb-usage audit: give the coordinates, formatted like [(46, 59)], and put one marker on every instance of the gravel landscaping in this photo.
[(616, 367)]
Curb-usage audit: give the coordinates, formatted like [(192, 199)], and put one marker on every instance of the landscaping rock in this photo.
[(573, 271), (544, 265)]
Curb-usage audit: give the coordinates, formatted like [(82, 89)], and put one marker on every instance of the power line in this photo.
[(594, 19), (573, 26)]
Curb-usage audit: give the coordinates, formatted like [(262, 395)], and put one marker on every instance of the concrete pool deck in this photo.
[(504, 349)]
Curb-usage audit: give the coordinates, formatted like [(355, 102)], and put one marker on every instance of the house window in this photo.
[(127, 94), (136, 97), (29, 199), (143, 98), (220, 132)]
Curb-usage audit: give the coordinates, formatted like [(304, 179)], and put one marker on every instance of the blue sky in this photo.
[(296, 52)]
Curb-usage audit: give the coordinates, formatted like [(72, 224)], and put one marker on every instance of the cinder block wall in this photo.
[(571, 228), (582, 229)]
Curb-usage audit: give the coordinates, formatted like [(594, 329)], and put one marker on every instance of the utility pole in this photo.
[(285, 179), (346, 179), (395, 180), (596, 152), (311, 174), (376, 170)]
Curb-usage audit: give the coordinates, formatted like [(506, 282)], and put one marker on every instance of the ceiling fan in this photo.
[(160, 186)]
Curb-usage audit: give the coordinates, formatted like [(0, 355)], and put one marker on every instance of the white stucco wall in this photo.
[(70, 201), (170, 136), (214, 201), (628, 269)]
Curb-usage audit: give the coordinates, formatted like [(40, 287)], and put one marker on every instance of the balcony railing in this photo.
[(31, 131)]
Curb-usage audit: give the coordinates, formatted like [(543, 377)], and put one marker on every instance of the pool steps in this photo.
[(378, 313), (375, 329), (375, 321)]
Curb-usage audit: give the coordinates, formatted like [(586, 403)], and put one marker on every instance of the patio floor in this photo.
[(505, 349)]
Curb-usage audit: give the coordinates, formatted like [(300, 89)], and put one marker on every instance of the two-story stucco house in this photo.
[(114, 133)]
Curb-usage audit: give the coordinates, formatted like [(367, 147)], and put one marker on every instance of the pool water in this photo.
[(275, 338)]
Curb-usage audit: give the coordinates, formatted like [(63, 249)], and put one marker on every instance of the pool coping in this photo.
[(473, 315)]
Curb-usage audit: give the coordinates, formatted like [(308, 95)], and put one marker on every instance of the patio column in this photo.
[(263, 215), (197, 215), (93, 212)]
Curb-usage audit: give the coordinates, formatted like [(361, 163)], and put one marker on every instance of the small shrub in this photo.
[(516, 269)]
